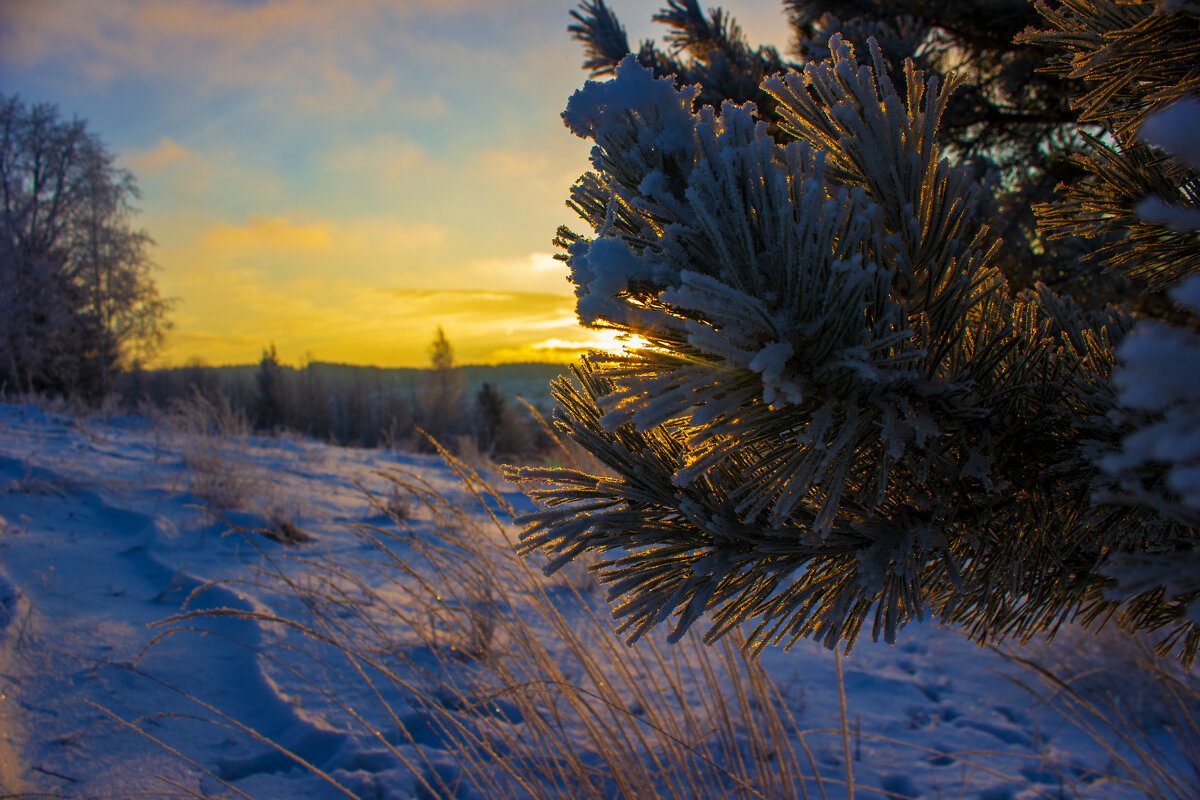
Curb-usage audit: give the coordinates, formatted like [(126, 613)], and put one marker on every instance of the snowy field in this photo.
[(400, 650)]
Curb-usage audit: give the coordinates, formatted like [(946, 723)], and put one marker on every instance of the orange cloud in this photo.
[(535, 272), (274, 233), (150, 162), (606, 340)]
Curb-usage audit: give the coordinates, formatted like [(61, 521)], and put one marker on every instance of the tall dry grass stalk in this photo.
[(207, 415)]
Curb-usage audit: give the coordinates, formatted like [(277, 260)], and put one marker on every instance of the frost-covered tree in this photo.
[(78, 300), (1009, 122), (839, 412), (1006, 112)]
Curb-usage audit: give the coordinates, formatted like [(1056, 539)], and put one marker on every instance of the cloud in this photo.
[(495, 311), (202, 185), (550, 167), (299, 255), (296, 155), (429, 105), (564, 350), (265, 240), (320, 56), (151, 161), (535, 272), (514, 163), (302, 55), (135, 34), (375, 248), (493, 327), (607, 340), (310, 283), (310, 55)]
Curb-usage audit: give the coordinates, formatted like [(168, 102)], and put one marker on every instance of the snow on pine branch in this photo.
[(1158, 463)]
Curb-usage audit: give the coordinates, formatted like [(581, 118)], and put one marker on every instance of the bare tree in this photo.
[(78, 302)]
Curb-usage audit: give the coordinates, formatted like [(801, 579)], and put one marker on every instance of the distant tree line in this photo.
[(355, 405)]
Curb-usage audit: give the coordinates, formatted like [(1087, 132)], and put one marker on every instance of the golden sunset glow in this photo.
[(338, 178)]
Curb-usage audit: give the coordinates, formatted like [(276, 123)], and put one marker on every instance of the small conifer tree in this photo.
[(268, 380), (442, 389), (843, 415)]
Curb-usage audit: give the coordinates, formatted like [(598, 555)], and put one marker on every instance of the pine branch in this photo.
[(604, 40)]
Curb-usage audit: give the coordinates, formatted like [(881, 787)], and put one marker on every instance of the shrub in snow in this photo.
[(841, 414)]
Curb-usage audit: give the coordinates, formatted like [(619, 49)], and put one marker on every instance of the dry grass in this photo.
[(1142, 711), (281, 525), (210, 435), (205, 415), (216, 479), (525, 685), (532, 695), (521, 676)]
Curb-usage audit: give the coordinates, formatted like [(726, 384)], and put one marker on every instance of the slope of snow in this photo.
[(102, 535)]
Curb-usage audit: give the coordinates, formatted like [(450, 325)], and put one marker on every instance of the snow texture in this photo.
[(99, 537), (600, 109), (1174, 129), (1177, 218), (1160, 374)]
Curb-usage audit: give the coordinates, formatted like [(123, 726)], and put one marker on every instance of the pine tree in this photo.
[(269, 381), (442, 389), (1010, 123), (843, 413), (502, 431), (1140, 63)]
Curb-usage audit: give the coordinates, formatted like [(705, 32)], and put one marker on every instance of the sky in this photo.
[(339, 178)]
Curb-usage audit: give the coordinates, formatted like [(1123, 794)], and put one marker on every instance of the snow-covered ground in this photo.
[(417, 671)]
